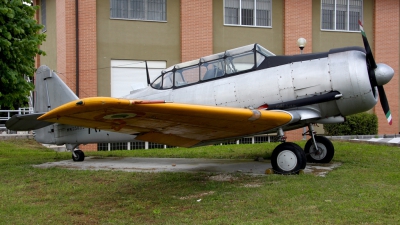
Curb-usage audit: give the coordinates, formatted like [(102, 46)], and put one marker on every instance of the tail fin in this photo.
[(50, 90)]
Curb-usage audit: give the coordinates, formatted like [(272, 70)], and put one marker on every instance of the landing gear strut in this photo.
[(77, 154), (318, 149)]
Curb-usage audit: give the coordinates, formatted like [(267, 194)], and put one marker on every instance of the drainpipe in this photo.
[(77, 47)]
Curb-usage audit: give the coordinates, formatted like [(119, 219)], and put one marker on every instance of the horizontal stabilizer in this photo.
[(26, 122)]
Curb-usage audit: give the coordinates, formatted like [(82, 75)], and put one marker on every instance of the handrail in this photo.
[(10, 113)]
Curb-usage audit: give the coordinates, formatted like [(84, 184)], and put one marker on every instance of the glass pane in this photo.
[(341, 14), (119, 9), (241, 62), (231, 11), (179, 81), (167, 80), (156, 10), (247, 12), (328, 15), (189, 75), (355, 14), (157, 83), (212, 69), (263, 13), (136, 9), (259, 58), (264, 51)]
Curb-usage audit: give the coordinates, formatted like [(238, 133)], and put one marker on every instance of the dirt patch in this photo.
[(252, 185), (197, 195), (223, 177)]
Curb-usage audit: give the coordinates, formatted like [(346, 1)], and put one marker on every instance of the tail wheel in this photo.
[(324, 153), (78, 156), (288, 158)]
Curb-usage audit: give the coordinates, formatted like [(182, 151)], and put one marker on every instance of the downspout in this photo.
[(77, 47)]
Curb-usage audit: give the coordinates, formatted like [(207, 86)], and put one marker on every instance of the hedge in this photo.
[(358, 124)]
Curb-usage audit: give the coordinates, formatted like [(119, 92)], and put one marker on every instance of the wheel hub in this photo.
[(287, 160), (319, 153)]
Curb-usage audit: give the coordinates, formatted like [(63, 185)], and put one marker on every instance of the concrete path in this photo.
[(131, 164), (393, 141)]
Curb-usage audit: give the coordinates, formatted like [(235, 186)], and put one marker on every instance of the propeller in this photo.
[(379, 74)]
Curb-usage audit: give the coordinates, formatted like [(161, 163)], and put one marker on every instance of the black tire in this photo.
[(288, 158), (80, 156), (324, 145)]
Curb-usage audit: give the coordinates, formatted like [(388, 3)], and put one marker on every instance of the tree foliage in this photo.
[(19, 43), (358, 124)]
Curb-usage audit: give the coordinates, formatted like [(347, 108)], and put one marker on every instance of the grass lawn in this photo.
[(364, 190)]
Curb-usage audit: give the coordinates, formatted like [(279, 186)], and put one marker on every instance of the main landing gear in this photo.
[(289, 158), (77, 154), (318, 149)]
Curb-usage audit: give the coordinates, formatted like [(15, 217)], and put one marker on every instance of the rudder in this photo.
[(50, 90)]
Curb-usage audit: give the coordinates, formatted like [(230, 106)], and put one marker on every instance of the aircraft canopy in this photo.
[(230, 62)]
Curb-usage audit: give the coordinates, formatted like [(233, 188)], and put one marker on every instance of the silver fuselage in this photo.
[(341, 71), (345, 72)]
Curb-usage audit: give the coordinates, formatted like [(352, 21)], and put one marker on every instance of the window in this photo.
[(153, 10), (248, 12), (341, 15), (43, 14)]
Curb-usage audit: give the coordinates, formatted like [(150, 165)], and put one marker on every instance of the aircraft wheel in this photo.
[(288, 158), (325, 151), (78, 156)]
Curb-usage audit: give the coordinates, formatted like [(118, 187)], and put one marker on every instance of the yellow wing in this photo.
[(174, 124)]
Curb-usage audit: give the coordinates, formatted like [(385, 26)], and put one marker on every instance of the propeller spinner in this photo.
[(379, 75)]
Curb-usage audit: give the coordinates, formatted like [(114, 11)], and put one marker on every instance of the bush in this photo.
[(358, 124)]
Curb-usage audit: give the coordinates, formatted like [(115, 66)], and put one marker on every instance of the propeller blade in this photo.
[(370, 58), (385, 104)]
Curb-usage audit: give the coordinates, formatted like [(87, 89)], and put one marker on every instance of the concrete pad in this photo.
[(376, 139), (131, 164), (394, 140)]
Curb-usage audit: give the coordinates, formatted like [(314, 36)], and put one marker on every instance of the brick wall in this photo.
[(87, 49), (66, 55), (387, 50), (87, 54), (297, 23), (66, 48), (196, 29)]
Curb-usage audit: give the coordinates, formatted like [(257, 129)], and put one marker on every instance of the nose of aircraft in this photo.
[(383, 74)]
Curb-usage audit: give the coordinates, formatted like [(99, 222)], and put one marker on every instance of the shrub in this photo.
[(358, 124)]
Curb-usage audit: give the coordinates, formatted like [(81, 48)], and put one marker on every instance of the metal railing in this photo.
[(7, 114), (149, 145), (10, 113)]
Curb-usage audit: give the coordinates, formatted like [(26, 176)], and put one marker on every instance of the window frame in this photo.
[(347, 19), (145, 20), (254, 16)]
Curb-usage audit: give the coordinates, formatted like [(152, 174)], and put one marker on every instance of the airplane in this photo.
[(237, 93)]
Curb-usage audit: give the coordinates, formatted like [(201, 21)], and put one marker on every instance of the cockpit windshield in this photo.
[(226, 63)]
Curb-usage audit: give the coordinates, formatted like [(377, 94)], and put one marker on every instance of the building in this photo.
[(93, 45)]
